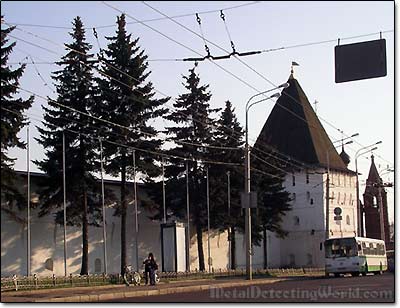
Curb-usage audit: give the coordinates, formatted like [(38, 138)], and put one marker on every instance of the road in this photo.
[(379, 288)]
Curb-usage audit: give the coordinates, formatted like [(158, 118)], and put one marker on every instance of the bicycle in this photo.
[(131, 276)]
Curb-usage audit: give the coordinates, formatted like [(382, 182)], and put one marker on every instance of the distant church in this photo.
[(375, 199)]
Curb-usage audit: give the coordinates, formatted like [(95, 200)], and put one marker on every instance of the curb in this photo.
[(140, 293)]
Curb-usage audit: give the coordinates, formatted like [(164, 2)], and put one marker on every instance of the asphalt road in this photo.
[(371, 288)]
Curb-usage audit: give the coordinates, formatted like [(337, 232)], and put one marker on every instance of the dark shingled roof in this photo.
[(287, 132)]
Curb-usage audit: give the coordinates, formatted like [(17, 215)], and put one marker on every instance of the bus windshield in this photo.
[(344, 247)]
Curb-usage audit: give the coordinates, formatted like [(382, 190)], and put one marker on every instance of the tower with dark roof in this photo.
[(316, 177), (294, 129), (375, 199)]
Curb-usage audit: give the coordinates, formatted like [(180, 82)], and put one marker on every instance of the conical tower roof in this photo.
[(373, 175), (294, 129)]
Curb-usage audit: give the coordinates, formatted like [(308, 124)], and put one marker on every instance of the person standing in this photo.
[(150, 267)]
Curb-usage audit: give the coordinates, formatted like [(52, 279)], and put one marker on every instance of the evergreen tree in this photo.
[(12, 120), (76, 89), (193, 126), (128, 99), (228, 142), (273, 200)]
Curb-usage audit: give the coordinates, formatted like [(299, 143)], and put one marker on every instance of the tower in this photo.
[(375, 199)]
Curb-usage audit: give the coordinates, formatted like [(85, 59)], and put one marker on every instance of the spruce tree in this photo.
[(128, 99), (193, 125), (228, 142), (273, 199), (76, 89), (12, 120)]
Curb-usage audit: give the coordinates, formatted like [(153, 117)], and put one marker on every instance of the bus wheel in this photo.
[(337, 275), (327, 275), (355, 274)]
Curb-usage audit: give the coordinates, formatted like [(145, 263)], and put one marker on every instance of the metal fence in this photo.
[(16, 283)]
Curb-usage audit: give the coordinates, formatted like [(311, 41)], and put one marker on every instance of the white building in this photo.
[(294, 130)]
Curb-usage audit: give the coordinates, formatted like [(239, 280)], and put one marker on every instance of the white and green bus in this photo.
[(354, 255)]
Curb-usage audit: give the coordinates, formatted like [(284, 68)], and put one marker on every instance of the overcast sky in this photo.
[(365, 107)]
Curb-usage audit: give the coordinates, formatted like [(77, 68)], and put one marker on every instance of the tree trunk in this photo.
[(265, 247), (233, 249), (199, 233), (85, 235), (123, 213)]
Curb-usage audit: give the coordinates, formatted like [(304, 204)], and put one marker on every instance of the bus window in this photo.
[(340, 248), (371, 250), (360, 251)]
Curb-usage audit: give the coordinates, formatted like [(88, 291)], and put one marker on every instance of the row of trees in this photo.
[(114, 86)]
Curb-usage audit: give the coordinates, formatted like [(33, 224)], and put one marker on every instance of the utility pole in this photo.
[(208, 224), (104, 209), (327, 199), (229, 218), (136, 213), (249, 248), (29, 203), (188, 219), (163, 190), (65, 208), (249, 270)]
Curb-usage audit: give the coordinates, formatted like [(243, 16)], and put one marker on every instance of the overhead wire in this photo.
[(126, 84), (130, 23), (133, 147), (111, 76), (240, 60), (106, 62), (230, 73)]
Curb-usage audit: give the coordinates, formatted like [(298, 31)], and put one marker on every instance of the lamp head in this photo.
[(275, 95), (374, 148), (379, 142), (284, 85)]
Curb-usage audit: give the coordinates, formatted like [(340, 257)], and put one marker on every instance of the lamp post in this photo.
[(343, 139), (359, 209), (340, 145), (247, 179)]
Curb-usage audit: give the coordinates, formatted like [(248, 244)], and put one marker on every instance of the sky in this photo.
[(365, 107)]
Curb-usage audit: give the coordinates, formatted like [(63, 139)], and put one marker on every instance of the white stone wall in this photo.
[(47, 241), (303, 246), (219, 250)]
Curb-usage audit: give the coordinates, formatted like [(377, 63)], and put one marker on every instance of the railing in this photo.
[(15, 283)]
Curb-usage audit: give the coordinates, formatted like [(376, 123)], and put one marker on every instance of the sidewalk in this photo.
[(100, 293)]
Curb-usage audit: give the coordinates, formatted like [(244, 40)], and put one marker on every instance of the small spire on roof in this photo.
[(291, 70)]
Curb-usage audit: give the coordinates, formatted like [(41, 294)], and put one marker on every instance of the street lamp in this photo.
[(247, 178), (348, 142), (359, 210), (354, 135)]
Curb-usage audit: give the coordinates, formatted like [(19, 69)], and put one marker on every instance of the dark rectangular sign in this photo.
[(360, 61)]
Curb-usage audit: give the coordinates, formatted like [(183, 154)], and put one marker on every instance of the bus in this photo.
[(355, 256)]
